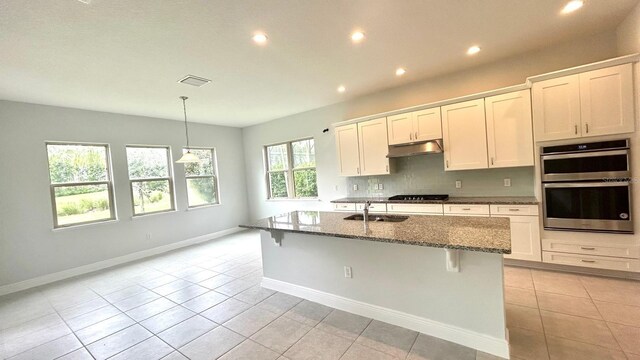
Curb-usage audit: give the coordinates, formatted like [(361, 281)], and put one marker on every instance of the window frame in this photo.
[(214, 166), (109, 182), (169, 178), (289, 177)]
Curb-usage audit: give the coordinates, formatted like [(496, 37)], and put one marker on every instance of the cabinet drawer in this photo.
[(588, 249), (462, 209), (432, 209), (514, 210), (351, 207), (373, 208), (599, 262)]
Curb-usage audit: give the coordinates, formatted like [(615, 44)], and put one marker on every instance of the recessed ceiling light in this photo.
[(357, 36), (194, 80), (572, 6), (341, 89), (400, 71), (473, 50), (260, 38)]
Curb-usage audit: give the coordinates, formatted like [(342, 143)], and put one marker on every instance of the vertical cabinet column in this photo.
[(464, 135), (509, 129), (347, 149), (372, 139)]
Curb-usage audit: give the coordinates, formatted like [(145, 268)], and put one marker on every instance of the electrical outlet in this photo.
[(148, 236), (507, 182), (355, 187), (458, 184), (347, 272), (375, 186), (380, 187)]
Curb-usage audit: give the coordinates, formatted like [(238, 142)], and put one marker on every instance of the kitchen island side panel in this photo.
[(405, 278)]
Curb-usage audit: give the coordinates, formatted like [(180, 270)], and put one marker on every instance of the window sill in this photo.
[(294, 199), (143, 216), (80, 226), (194, 208)]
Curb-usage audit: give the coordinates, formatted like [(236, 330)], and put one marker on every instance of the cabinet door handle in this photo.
[(492, 161), (575, 129), (358, 170), (512, 209), (588, 261), (387, 168), (447, 162), (586, 127), (587, 248), (410, 136), (416, 135), (466, 209)]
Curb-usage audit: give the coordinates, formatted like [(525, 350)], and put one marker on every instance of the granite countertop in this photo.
[(488, 200), (485, 234)]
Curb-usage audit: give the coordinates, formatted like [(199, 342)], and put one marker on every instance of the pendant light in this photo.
[(187, 157)]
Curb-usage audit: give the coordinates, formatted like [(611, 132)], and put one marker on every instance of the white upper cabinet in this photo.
[(606, 101), (427, 124), (414, 126), (464, 135), (509, 129), (598, 102), (347, 148), (372, 136), (400, 128), (556, 108)]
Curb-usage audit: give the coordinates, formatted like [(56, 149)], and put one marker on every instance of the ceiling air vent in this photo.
[(194, 80)]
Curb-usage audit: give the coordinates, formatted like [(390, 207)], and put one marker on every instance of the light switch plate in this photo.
[(355, 187), (375, 186), (380, 187), (458, 184), (507, 182)]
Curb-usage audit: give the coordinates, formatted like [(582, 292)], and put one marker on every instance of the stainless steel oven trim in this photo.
[(585, 154), (586, 175), (627, 142), (614, 226)]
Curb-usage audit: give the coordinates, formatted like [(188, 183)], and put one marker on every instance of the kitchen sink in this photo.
[(378, 218)]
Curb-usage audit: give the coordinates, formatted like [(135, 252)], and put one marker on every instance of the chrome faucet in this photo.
[(365, 211)]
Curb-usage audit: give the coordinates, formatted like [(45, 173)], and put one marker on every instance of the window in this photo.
[(80, 183), (150, 177), (291, 170), (202, 178)]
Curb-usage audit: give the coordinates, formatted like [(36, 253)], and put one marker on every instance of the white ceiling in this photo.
[(126, 56)]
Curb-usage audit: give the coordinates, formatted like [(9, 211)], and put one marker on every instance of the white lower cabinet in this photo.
[(347, 207), (598, 262), (373, 208), (525, 238), (419, 209)]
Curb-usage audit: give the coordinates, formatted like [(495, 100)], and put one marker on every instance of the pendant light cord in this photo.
[(186, 127)]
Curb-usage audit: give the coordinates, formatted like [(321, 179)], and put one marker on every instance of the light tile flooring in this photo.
[(552, 315), (205, 302)]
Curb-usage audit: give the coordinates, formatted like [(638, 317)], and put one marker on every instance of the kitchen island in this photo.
[(440, 275)]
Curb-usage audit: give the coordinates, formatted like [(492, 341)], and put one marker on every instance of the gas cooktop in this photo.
[(418, 197)]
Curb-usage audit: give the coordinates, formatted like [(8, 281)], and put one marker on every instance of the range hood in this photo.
[(426, 147)]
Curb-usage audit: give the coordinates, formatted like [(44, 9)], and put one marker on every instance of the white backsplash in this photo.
[(424, 174)]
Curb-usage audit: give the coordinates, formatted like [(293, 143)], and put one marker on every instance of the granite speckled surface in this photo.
[(484, 234), (489, 200)]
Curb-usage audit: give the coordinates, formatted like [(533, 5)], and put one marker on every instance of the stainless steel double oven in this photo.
[(587, 187)]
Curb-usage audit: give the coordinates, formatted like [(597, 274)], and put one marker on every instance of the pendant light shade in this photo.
[(187, 157)]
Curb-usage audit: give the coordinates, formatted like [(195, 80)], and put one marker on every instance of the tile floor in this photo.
[(205, 302)]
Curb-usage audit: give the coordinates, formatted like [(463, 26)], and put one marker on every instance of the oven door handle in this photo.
[(585, 154), (587, 184)]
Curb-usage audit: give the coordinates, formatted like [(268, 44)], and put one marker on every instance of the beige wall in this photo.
[(510, 71), (628, 33)]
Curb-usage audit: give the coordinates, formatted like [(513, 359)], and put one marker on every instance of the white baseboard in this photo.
[(488, 344), (100, 265)]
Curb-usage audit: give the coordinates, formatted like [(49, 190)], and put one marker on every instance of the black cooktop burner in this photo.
[(419, 197)]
